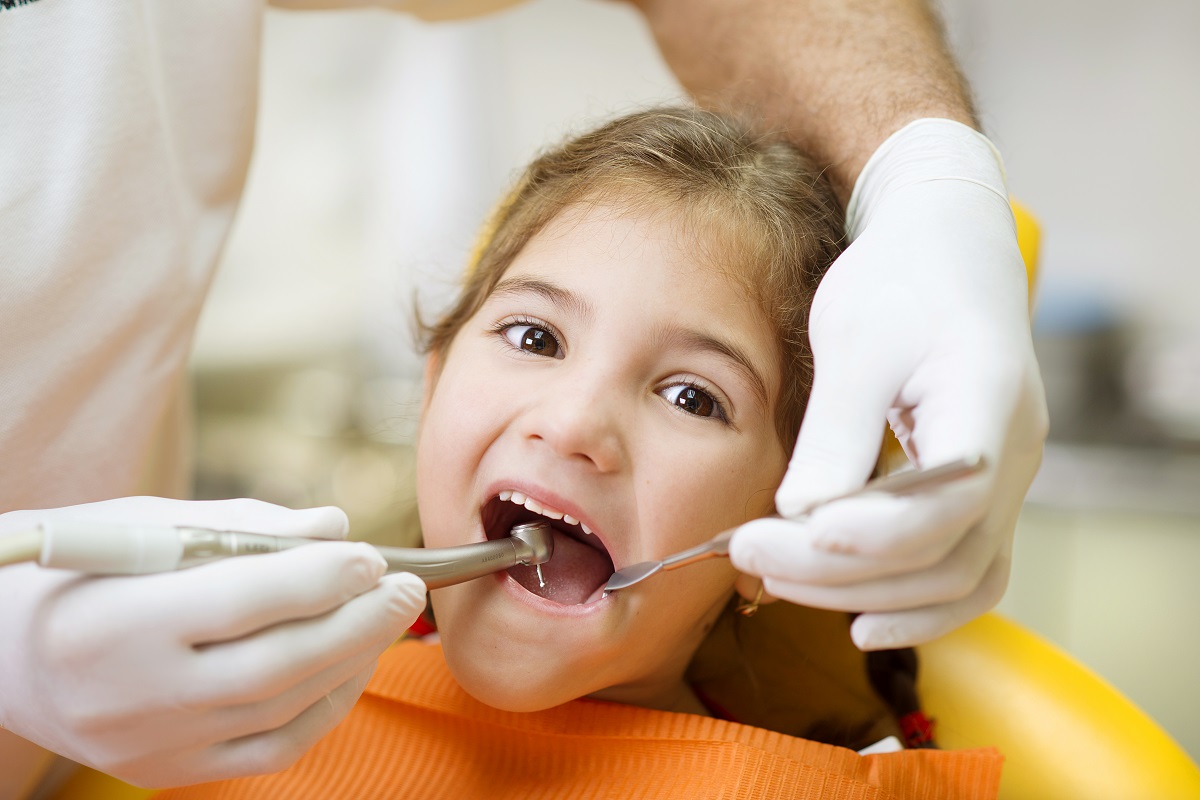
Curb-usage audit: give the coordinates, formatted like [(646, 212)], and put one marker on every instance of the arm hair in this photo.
[(838, 76)]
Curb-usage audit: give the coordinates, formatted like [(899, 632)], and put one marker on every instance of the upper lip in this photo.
[(551, 499)]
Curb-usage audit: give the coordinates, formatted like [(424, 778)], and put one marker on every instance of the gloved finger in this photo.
[(1007, 424), (970, 414), (882, 526), (839, 438), (783, 550), (211, 726), (883, 631), (237, 596), (258, 667), (951, 579), (246, 719), (279, 749), (270, 751)]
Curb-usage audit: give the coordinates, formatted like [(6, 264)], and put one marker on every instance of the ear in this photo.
[(747, 588)]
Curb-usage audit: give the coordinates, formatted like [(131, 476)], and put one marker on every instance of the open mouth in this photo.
[(581, 564)]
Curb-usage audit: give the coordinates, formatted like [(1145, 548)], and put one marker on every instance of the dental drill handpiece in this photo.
[(104, 548), (526, 545)]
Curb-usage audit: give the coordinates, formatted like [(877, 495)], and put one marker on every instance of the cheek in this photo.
[(686, 602), (693, 591), (453, 438), (707, 492)]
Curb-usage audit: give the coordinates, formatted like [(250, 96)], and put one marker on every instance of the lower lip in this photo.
[(541, 604)]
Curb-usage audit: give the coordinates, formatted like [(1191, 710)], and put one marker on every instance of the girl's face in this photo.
[(614, 382)]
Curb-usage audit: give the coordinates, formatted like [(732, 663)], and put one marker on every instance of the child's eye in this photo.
[(693, 400), (532, 339)]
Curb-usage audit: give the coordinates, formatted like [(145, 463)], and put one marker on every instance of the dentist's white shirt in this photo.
[(126, 131)]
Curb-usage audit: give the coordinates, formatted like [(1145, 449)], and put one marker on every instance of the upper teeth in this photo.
[(522, 500)]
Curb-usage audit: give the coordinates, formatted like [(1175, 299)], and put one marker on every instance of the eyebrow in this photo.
[(564, 299), (694, 341), (686, 339)]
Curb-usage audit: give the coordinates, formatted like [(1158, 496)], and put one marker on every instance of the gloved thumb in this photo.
[(324, 522), (243, 514), (254, 516), (838, 444)]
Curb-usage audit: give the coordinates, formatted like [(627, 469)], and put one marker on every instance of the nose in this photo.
[(580, 421)]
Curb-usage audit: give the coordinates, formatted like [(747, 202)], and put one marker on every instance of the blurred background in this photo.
[(383, 143)]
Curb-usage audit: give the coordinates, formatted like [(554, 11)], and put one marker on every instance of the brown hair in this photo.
[(776, 215)]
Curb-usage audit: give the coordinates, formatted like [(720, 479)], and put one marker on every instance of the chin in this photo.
[(510, 685)]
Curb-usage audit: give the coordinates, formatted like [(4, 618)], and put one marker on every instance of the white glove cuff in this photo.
[(923, 150)]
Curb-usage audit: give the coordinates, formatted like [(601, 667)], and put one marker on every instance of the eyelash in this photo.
[(502, 328), (719, 412)]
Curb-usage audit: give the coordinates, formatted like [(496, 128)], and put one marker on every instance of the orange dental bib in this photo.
[(416, 734)]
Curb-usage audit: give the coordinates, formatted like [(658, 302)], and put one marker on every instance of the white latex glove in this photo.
[(231, 668), (923, 322)]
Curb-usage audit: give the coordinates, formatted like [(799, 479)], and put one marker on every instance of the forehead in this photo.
[(654, 255)]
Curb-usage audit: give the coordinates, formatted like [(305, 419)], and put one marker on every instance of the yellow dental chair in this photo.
[(1065, 733)]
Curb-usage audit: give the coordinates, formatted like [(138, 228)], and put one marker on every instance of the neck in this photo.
[(689, 703), (676, 696)]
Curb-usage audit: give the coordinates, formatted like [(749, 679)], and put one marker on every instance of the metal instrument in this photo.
[(718, 546), (107, 548)]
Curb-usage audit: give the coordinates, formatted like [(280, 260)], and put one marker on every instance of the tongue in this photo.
[(574, 573)]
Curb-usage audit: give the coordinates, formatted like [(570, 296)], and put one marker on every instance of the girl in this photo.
[(629, 361)]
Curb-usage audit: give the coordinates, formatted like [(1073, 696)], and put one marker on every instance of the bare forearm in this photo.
[(22, 765), (838, 75)]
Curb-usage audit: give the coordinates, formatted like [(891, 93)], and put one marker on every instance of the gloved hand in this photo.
[(922, 322), (231, 668)]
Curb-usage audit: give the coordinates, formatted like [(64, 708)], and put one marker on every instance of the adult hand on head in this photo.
[(231, 668), (922, 322)]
